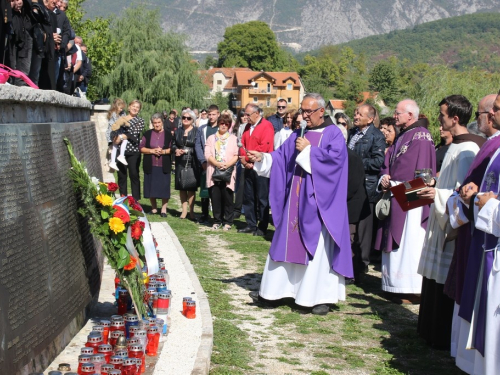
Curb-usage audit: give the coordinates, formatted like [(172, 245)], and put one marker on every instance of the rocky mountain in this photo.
[(299, 24)]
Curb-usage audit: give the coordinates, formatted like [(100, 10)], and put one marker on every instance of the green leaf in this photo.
[(123, 238), (123, 261), (140, 248), (104, 214), (123, 253)]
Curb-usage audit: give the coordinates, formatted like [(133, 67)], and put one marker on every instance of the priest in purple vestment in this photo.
[(400, 236), (310, 254)]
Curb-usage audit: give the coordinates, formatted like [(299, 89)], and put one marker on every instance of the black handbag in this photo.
[(187, 179), (223, 175)]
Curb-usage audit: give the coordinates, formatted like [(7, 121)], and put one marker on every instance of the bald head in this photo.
[(485, 123)]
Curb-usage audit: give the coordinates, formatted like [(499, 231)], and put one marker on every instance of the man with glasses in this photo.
[(258, 136), (436, 309), (310, 254), (277, 119), (400, 236), (369, 143), (204, 132), (463, 272)]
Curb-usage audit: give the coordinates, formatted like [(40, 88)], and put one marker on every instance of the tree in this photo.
[(253, 45), (383, 78), (152, 65), (96, 35)]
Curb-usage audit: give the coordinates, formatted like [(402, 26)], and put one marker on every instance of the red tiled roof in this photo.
[(337, 103), (243, 78), (207, 75)]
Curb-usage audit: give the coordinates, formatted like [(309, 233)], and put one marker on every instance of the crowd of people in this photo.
[(39, 43), (325, 179)]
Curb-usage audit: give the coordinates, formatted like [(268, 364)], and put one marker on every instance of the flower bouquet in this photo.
[(119, 224)]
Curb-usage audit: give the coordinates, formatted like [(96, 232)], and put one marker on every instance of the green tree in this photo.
[(383, 78), (253, 45), (96, 35), (152, 65)]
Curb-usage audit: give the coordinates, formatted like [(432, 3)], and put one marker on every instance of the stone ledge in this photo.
[(14, 94)]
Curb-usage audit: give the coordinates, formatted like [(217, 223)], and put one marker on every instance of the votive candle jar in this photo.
[(137, 351), (123, 297), (106, 324), (131, 320), (191, 309), (184, 304), (107, 350), (105, 369), (83, 359), (116, 361), (153, 341), (129, 366), (113, 337)]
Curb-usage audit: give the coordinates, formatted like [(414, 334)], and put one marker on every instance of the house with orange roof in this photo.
[(246, 86)]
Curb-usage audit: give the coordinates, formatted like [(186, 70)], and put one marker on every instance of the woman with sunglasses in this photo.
[(186, 163), (221, 152), (281, 136)]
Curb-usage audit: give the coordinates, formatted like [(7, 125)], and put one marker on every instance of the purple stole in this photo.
[(295, 251), (481, 255), (456, 275)]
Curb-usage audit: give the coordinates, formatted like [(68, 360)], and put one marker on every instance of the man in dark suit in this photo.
[(369, 143)]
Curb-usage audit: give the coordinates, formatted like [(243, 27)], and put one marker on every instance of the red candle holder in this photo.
[(153, 341), (105, 369), (116, 361), (137, 351), (87, 369), (184, 304), (106, 324), (191, 309), (113, 337), (129, 366), (93, 341), (123, 297), (82, 360), (107, 350)]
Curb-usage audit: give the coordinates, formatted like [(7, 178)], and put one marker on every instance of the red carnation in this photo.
[(131, 200), (136, 206), (122, 214), (136, 230), (112, 187)]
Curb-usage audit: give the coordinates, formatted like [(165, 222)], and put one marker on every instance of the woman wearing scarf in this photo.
[(221, 152)]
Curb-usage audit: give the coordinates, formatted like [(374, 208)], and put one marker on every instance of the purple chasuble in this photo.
[(481, 255), (454, 284), (303, 202), (412, 149)]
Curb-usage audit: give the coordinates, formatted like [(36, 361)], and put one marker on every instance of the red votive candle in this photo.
[(129, 367), (105, 369), (107, 350), (113, 337), (191, 309), (153, 341), (137, 351), (123, 296), (83, 359), (87, 369), (93, 341), (106, 324), (184, 304), (116, 361)]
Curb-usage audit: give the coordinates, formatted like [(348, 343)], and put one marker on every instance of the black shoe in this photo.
[(262, 301), (153, 212), (255, 296), (258, 232), (203, 219), (320, 309), (247, 229), (163, 214)]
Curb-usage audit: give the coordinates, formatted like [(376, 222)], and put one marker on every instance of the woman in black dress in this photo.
[(186, 163), (157, 165)]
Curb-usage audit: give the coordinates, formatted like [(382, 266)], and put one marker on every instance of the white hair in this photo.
[(190, 113), (412, 106), (317, 97)]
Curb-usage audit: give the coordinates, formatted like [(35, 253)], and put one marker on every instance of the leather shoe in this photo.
[(262, 301), (163, 214), (258, 232), (203, 220), (320, 309), (246, 230)]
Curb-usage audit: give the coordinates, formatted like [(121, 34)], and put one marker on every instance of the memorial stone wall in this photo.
[(50, 265)]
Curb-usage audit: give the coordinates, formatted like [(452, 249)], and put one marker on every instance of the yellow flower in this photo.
[(116, 225), (104, 199)]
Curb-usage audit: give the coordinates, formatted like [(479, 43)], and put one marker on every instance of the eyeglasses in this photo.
[(478, 113), (281, 106), (249, 114), (342, 123), (308, 112), (186, 118), (396, 113)]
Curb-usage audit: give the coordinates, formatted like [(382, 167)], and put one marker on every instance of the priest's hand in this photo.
[(483, 198), (301, 143), (386, 181), (427, 193), (468, 191), (254, 156)]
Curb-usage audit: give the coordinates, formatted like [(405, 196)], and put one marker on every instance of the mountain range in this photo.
[(301, 25)]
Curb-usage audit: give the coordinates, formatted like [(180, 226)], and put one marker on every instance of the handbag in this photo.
[(383, 207), (187, 179), (223, 175)]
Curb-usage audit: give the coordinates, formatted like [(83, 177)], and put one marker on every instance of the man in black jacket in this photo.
[(369, 143), (20, 43)]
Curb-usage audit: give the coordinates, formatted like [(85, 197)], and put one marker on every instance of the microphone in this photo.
[(240, 145), (303, 125)]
